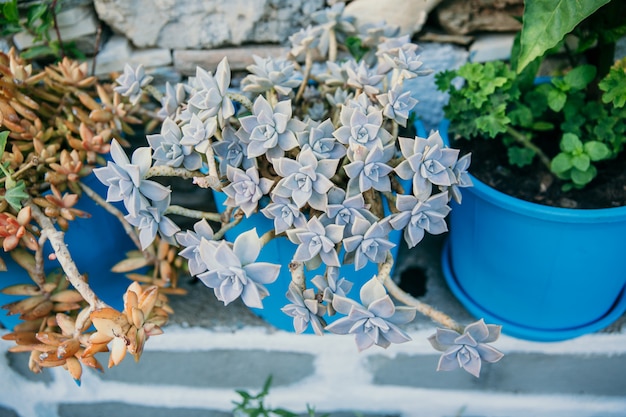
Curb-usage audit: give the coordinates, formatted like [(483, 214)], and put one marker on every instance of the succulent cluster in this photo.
[(56, 125), (311, 142)]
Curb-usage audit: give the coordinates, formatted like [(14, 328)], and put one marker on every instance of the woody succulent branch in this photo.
[(310, 143)]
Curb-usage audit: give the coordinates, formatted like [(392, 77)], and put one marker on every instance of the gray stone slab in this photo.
[(528, 373), (117, 409), (216, 368), (19, 363)]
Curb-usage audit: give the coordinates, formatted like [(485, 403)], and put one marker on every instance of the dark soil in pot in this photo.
[(536, 184)]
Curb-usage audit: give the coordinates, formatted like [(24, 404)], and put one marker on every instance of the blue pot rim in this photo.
[(529, 209)]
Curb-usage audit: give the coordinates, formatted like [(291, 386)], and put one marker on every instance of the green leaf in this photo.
[(520, 156), (614, 87), (542, 126), (583, 177), (38, 51), (3, 141), (556, 99), (579, 77), (570, 143), (15, 195), (597, 151), (561, 163), (10, 12), (581, 161), (493, 123), (546, 22), (356, 49), (35, 13), (521, 116)]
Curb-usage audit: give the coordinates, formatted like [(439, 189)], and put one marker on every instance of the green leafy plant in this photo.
[(583, 107), (254, 405), (38, 20)]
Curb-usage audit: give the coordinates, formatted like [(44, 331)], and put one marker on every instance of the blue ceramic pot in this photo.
[(280, 251), (544, 273), (96, 244)]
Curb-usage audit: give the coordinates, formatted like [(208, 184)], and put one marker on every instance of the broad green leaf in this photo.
[(9, 10), (3, 141), (520, 156), (583, 177), (521, 116), (492, 124), (15, 195), (546, 22), (542, 126), (556, 99), (35, 13), (597, 150), (561, 163), (581, 162), (579, 77), (614, 87), (38, 51), (570, 143)]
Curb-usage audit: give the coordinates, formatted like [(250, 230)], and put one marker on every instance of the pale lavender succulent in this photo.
[(397, 104), (343, 211), (405, 62), (270, 131), (305, 309), (369, 242), (285, 214), (336, 75), (462, 177), (316, 243), (339, 97), (364, 78), (427, 162), (169, 151), (231, 151), (319, 138), (271, 73), (375, 321), (305, 180), (373, 34), (197, 133), (416, 217), (172, 100), (361, 129), (330, 285), (126, 180), (131, 82), (469, 349), (316, 111), (210, 97), (371, 172), (232, 271), (245, 189), (151, 219), (190, 241), (306, 39), (332, 19)]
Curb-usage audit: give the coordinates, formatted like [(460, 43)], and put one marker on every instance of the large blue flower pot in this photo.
[(543, 273), (280, 251), (96, 244)]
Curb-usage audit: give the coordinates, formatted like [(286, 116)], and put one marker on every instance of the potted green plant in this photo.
[(307, 152), (532, 245)]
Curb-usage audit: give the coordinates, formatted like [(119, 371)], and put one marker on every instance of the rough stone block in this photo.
[(19, 363), (491, 47), (524, 373), (191, 24), (7, 412), (131, 410), (216, 368), (186, 61)]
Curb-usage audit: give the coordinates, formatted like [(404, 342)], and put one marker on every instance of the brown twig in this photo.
[(384, 276), (56, 238)]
